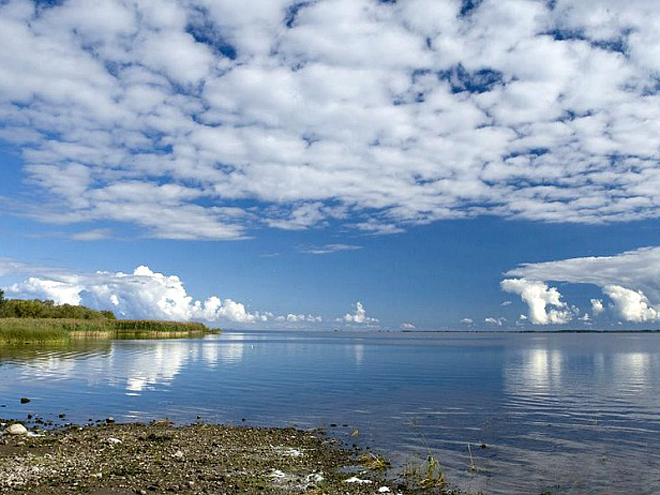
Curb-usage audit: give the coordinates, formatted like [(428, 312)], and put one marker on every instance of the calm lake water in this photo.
[(568, 413)]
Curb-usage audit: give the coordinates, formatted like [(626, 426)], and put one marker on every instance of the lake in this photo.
[(504, 413)]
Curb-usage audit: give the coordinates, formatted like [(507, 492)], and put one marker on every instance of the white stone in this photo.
[(278, 474), (17, 429), (357, 480)]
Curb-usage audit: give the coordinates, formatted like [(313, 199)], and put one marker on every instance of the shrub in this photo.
[(36, 308)]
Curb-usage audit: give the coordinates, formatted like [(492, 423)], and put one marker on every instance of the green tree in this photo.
[(108, 314)]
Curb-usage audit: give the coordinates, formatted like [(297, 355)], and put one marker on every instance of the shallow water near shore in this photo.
[(503, 413)]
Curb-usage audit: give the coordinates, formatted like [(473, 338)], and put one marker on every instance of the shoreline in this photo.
[(25, 331), (161, 457)]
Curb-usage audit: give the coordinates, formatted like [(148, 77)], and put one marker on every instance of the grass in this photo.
[(46, 330), (426, 474), (374, 462)]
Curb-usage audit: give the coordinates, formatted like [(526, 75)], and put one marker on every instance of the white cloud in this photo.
[(631, 305), (360, 316), (467, 321), (375, 114), (92, 235), (538, 297), (630, 279), (506, 303), (34, 288), (597, 306), (141, 294), (408, 326), (330, 248), (293, 318), (495, 321)]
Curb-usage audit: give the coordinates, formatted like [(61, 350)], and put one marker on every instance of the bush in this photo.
[(35, 308)]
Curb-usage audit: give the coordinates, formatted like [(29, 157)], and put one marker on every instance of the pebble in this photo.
[(109, 420), (357, 480), (17, 429)]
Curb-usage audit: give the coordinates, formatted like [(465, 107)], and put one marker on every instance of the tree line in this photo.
[(36, 308)]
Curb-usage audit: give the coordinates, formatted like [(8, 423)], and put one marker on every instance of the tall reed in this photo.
[(44, 330)]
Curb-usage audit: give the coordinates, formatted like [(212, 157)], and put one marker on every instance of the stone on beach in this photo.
[(17, 429)]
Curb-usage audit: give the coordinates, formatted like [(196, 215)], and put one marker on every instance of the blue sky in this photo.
[(334, 163)]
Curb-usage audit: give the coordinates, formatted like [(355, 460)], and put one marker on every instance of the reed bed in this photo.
[(46, 330), (158, 326)]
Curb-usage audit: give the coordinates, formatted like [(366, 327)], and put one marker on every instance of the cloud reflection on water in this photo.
[(559, 373), (138, 367)]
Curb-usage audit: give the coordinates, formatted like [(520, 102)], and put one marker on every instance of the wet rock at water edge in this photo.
[(109, 420), (24, 400), (17, 429)]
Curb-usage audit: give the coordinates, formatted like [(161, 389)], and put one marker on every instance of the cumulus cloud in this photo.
[(467, 321), (538, 296), (142, 294), (34, 287), (631, 305), (408, 326), (360, 316), (173, 116), (597, 306), (495, 321), (631, 280), (299, 318)]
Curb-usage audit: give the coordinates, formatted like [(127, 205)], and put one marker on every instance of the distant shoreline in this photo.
[(529, 331)]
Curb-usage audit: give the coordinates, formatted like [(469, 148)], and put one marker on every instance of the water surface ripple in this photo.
[(566, 413)]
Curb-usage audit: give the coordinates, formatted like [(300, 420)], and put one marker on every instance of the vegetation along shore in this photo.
[(38, 322)]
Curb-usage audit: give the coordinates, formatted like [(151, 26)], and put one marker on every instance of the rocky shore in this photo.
[(196, 459)]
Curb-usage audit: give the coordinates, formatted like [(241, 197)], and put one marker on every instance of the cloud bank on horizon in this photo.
[(200, 119), (148, 294), (630, 280)]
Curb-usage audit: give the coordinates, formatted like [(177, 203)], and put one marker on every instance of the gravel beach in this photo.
[(196, 459)]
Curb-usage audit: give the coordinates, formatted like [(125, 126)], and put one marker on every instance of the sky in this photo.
[(334, 164)]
